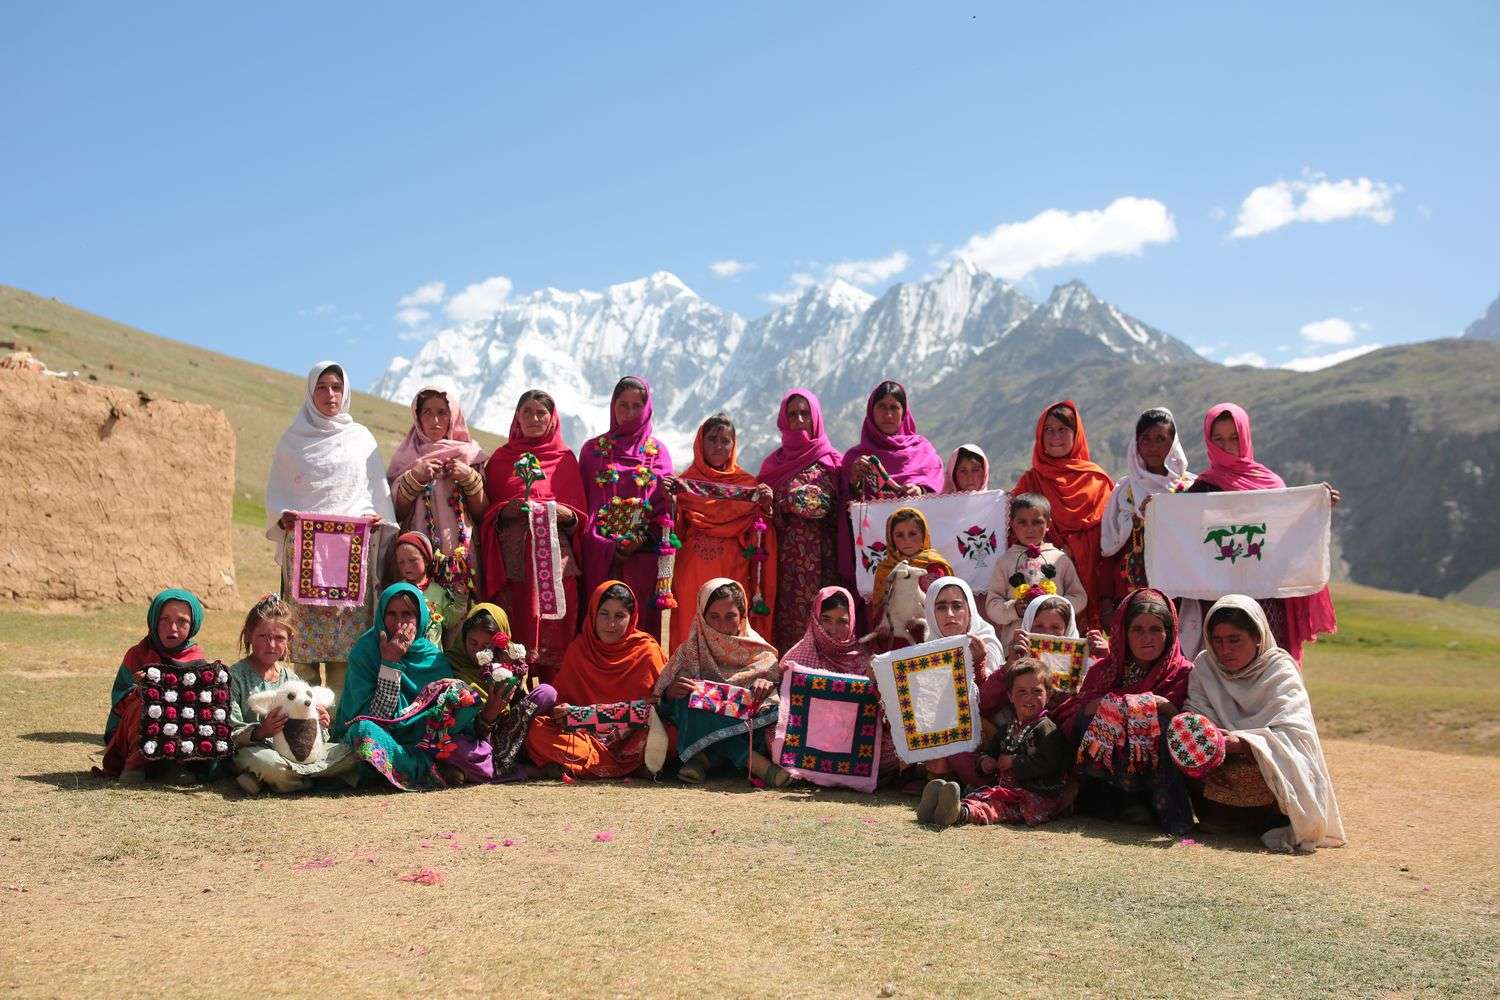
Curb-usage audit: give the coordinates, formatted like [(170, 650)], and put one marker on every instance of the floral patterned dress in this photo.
[(806, 526)]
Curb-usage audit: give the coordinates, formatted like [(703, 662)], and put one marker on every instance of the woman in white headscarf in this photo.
[(1252, 690), (951, 611), (1158, 464), (325, 463)]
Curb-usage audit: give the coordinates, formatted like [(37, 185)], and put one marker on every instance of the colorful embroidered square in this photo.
[(546, 562), (1066, 659), (721, 699), (185, 711), (329, 556), (828, 728), (1195, 743), (613, 719), (931, 689)]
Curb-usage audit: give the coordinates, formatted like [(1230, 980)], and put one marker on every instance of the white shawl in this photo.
[(979, 627), (1266, 705), (1133, 489), (326, 465), (1028, 620)]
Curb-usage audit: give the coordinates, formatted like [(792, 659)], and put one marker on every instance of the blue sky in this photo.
[(271, 180)]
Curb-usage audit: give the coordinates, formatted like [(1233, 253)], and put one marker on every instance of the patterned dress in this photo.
[(807, 558)]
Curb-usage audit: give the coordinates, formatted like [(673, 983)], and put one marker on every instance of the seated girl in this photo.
[(1118, 717), (610, 661), (1274, 780), (482, 655), (265, 638), (412, 559), (402, 711), (908, 540), (951, 611), (1028, 757), (722, 648), (172, 619)]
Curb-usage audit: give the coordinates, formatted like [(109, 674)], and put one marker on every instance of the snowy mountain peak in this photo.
[(841, 294), (660, 284), (1068, 299)]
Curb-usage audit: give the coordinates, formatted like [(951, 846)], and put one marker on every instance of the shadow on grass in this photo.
[(91, 739)]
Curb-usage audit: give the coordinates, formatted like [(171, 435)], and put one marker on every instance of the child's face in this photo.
[(1049, 622), (1147, 637), (269, 641), (968, 475), (907, 535), (328, 393), (888, 412), (175, 624), (478, 638), (435, 417), (1223, 435), (410, 563), (798, 414), (611, 621), (718, 446), (535, 418), (1057, 438), (835, 623), (723, 616), (952, 611), (1233, 647), (629, 406), (1153, 444), (401, 611), (1028, 694), (1030, 526)]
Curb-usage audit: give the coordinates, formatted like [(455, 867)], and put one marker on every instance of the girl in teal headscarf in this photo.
[(402, 711), (173, 619)]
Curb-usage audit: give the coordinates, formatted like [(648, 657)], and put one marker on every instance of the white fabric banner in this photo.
[(967, 528), (1260, 543), (930, 698)]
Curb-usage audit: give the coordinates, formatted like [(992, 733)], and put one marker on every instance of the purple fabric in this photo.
[(799, 449), (909, 457)]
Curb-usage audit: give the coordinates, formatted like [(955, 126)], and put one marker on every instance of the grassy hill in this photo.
[(259, 401)]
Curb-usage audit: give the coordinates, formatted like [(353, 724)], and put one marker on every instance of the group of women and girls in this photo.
[(450, 675)]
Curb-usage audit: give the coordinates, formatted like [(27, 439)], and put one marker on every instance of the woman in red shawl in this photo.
[(610, 661), (717, 531), (1078, 491), (1119, 717), (803, 474), (1232, 466), (508, 547)]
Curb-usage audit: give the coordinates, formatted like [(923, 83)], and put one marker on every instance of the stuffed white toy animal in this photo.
[(301, 739), (904, 604)]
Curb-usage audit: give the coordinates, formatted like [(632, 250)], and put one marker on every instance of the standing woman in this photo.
[(1158, 464), (507, 559), (803, 476), (1078, 491), (325, 463), (722, 536), (626, 464), (439, 491), (1294, 621)]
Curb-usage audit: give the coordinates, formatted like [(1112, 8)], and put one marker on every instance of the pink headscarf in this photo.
[(820, 651), (965, 450), (909, 457), (625, 440), (416, 445), (1231, 472), (799, 449)]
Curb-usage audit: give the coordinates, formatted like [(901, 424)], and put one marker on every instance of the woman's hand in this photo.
[(671, 484), (911, 491), (863, 467), (324, 719), (761, 689), (425, 470), (394, 647), (976, 652), (1019, 606), (1234, 745), (512, 511), (1163, 706), (1005, 762), (1333, 495), (285, 521), (559, 713), (986, 764), (680, 688), (627, 545), (270, 725), (765, 497), (565, 515), (457, 469), (1020, 643), (917, 629), (1098, 645)]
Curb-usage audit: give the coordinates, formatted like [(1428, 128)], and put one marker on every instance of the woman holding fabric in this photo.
[(515, 555), (325, 463), (803, 476), (1158, 464), (482, 644)]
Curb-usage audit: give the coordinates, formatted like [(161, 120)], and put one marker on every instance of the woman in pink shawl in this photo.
[(1232, 466), (622, 472), (1119, 717), (438, 488), (803, 475), (891, 460)]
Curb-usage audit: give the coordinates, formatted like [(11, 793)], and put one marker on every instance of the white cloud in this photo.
[(1329, 331), (479, 300), (412, 316), (323, 309), (869, 272), (1205, 350), (1126, 226), (1315, 362), (729, 268), (1248, 358), (429, 294), (1314, 198), (801, 282)]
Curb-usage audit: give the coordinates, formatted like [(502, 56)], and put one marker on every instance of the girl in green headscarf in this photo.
[(402, 709), (485, 635)]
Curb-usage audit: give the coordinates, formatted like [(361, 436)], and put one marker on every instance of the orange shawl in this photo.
[(594, 672), (927, 560)]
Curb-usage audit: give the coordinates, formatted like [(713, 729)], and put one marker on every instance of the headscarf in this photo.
[(1168, 676), (818, 650), (417, 445), (968, 448), (594, 672), (926, 560), (153, 618), (710, 655), (624, 442), (460, 661), (994, 693), (1144, 482), (979, 628), (326, 465), (1266, 705), (799, 449), (150, 650), (711, 515), (423, 663), (1235, 472), (423, 545), (1028, 620), (908, 457)]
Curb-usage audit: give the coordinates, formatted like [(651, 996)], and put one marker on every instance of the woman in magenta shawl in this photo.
[(626, 463), (803, 475), (1232, 466), (888, 441)]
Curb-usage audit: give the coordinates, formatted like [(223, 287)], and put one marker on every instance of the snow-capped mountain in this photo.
[(834, 339)]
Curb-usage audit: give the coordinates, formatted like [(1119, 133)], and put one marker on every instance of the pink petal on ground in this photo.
[(456, 847), (490, 846), (425, 843), (447, 835), (423, 876), (303, 866), (604, 837), (867, 819), (1188, 842), (567, 778), (507, 842), (757, 783)]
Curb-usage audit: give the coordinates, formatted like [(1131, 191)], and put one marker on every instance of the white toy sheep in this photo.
[(301, 739)]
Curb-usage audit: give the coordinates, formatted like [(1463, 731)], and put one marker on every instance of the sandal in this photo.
[(695, 771), (777, 776)]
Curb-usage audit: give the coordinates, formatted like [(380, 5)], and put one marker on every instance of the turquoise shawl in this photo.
[(423, 663)]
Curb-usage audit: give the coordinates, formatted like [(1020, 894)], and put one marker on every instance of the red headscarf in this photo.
[(595, 672), (1235, 472), (1167, 677), (422, 544), (799, 449)]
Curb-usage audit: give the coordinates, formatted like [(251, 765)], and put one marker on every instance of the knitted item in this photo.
[(1105, 732), (1126, 721), (1195, 744), (1142, 731), (387, 694)]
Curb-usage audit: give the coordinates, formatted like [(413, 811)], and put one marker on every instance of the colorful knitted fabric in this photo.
[(1122, 720), (1142, 731), (1105, 732), (1195, 744)]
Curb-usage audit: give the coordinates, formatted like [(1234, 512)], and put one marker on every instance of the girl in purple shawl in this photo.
[(803, 474), (622, 469)]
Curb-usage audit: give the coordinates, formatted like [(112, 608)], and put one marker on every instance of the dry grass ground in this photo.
[(724, 891)]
